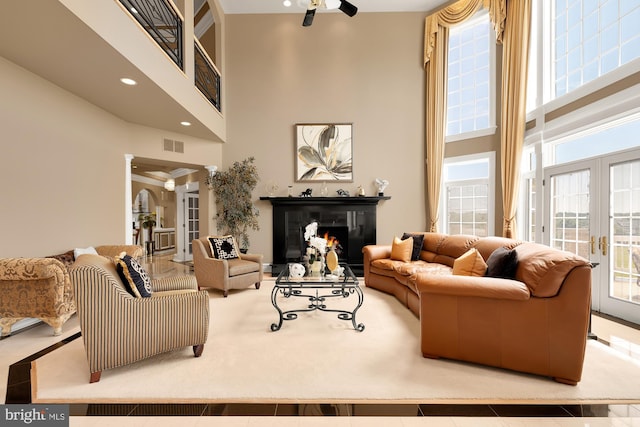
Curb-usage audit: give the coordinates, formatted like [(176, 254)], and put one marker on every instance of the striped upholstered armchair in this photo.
[(119, 328)]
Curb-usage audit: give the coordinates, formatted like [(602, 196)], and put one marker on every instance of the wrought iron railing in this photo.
[(207, 76), (162, 22)]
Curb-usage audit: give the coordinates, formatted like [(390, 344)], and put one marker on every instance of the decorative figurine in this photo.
[(360, 191), (296, 271), (342, 193), (306, 193), (382, 184)]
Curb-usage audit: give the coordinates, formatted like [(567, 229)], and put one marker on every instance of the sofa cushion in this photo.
[(418, 239), (486, 245), (401, 249), (470, 263), (223, 247), (412, 268), (82, 251), (238, 266), (502, 263), (134, 276), (543, 269), (66, 258)]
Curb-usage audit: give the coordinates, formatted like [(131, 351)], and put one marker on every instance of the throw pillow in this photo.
[(66, 258), (502, 263), (223, 247), (81, 251), (401, 249), (418, 239), (470, 263), (133, 275)]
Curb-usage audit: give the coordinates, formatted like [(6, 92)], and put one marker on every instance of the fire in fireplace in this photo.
[(337, 238)]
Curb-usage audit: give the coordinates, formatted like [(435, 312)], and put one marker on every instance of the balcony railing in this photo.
[(162, 22), (207, 76)]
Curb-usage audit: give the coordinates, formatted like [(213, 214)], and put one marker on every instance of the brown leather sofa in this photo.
[(535, 323)]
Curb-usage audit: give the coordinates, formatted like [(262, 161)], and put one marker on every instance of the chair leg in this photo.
[(225, 293), (258, 285), (95, 377), (198, 349)]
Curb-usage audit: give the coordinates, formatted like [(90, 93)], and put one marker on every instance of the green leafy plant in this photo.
[(148, 221), (236, 213)]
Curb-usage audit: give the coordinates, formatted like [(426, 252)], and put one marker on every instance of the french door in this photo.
[(593, 209)]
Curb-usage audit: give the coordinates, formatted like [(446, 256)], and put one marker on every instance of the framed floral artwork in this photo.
[(324, 152)]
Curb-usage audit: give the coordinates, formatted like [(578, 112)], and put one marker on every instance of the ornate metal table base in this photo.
[(310, 288)]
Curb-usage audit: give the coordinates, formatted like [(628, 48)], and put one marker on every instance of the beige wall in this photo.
[(63, 167), (339, 70)]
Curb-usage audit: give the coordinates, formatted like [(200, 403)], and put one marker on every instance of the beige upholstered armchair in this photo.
[(225, 274), (119, 329), (40, 288)]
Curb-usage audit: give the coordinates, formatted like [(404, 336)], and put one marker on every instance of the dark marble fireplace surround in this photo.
[(352, 220)]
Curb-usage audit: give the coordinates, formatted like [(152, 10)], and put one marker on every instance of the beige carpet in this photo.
[(319, 358)]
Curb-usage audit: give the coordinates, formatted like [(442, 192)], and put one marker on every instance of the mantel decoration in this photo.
[(236, 213), (324, 152)]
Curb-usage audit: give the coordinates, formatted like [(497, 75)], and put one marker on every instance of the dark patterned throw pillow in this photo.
[(502, 263), (418, 239), (223, 247), (133, 275)]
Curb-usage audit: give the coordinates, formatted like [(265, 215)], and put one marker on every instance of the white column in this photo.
[(128, 204)]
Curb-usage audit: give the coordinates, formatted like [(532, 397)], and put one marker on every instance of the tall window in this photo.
[(592, 38), (469, 100), (468, 193)]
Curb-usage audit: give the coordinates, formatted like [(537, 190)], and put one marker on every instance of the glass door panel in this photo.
[(572, 212), (621, 297)]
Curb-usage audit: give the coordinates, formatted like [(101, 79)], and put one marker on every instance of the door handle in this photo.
[(603, 245), (593, 245)]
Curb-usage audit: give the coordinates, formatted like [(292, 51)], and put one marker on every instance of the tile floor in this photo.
[(17, 351)]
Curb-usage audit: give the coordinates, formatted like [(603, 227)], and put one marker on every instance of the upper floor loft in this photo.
[(168, 48)]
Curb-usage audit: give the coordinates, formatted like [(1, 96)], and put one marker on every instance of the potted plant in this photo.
[(236, 213), (148, 221)]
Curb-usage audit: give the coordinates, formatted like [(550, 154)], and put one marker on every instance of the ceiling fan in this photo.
[(343, 5)]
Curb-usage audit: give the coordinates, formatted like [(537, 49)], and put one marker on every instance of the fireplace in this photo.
[(351, 220)]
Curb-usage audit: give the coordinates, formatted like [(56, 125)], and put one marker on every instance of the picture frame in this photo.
[(324, 152)]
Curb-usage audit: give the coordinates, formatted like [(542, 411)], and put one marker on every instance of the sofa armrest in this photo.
[(32, 269), (252, 257), (174, 283), (373, 252), (471, 286)]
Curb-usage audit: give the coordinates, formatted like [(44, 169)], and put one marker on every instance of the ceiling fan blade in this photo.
[(308, 17), (348, 8)]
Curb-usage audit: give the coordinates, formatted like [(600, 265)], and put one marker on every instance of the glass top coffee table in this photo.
[(318, 290)]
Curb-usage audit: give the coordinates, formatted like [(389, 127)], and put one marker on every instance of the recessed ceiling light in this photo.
[(128, 81), (185, 123), (286, 3)]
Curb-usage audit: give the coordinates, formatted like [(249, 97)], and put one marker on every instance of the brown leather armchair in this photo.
[(225, 274)]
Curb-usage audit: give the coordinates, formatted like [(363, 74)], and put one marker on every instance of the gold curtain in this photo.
[(515, 62), (512, 26), (435, 66)]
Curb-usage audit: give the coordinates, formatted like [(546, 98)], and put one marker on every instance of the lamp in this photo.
[(170, 184)]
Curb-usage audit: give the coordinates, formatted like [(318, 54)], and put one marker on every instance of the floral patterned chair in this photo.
[(40, 287)]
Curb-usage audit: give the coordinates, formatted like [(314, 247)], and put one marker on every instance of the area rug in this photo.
[(319, 358)]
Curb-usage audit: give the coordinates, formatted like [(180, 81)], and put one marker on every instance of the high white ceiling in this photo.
[(276, 6)]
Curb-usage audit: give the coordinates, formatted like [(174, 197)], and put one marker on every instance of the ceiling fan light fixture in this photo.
[(332, 4)]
